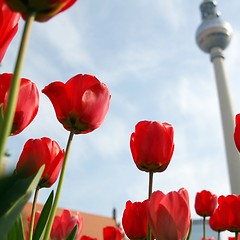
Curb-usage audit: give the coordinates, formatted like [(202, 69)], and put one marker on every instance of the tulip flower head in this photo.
[(44, 9), (112, 233), (8, 27), (64, 224), (237, 132), (217, 221), (230, 211), (27, 104), (169, 215), (152, 145), (38, 152), (134, 220), (205, 203), (80, 104)]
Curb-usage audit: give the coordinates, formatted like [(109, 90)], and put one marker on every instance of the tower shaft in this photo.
[(227, 116), (213, 36)]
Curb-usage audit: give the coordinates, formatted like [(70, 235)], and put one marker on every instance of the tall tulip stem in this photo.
[(150, 187), (204, 228), (34, 205), (58, 191), (15, 85), (236, 235), (218, 235)]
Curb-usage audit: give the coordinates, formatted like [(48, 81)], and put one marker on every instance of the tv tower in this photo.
[(213, 36)]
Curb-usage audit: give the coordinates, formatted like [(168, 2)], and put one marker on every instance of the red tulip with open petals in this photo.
[(44, 9), (80, 104), (134, 220), (152, 145), (27, 104), (205, 203), (63, 225), (112, 233), (8, 27), (169, 215), (38, 152)]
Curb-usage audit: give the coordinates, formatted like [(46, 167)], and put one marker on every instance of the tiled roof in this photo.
[(92, 224)]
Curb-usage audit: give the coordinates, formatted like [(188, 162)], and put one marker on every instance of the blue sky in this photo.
[(145, 52)]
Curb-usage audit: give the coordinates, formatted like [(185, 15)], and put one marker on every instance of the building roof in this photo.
[(92, 224)]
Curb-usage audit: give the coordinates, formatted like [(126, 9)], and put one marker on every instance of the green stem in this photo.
[(59, 187), (236, 235), (34, 205), (150, 187), (15, 85), (218, 235), (204, 228)]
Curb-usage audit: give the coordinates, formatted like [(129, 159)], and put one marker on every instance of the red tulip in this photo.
[(80, 104), (237, 132), (87, 238), (205, 203), (112, 233), (64, 224), (233, 238), (8, 27), (217, 222), (44, 9), (38, 152), (27, 104), (152, 145), (169, 215), (230, 211), (134, 220)]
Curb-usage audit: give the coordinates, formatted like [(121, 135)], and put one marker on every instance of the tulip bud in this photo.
[(39, 152), (27, 104), (205, 203), (152, 145), (8, 27)]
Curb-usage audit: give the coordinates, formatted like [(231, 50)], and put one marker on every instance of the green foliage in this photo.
[(14, 194), (72, 234), (39, 231), (16, 232)]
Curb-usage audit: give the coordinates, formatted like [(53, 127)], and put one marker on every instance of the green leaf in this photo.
[(72, 234), (16, 232), (14, 194), (38, 233)]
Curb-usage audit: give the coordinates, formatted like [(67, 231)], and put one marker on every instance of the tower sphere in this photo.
[(213, 31)]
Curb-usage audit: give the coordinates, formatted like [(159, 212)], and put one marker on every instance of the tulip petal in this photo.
[(58, 95), (27, 164), (169, 215)]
